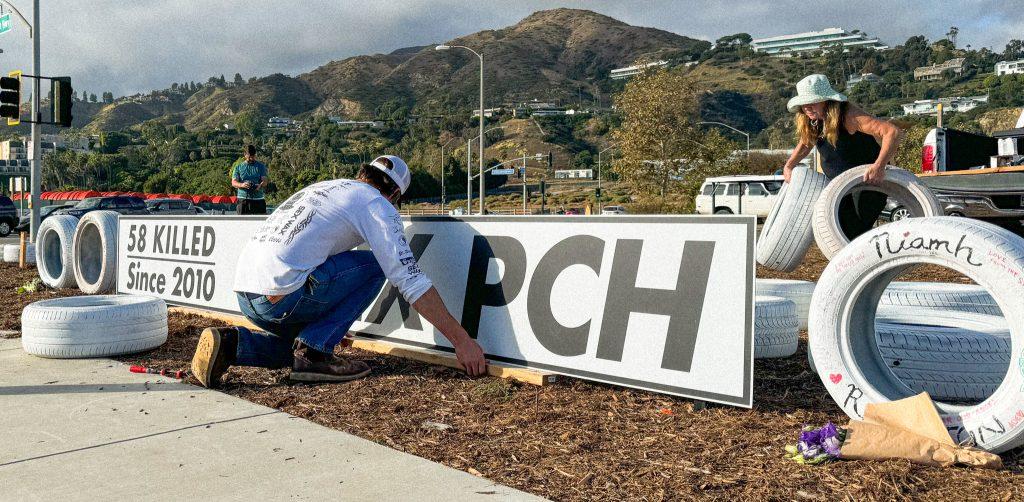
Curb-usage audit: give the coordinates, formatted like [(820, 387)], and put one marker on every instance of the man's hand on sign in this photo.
[(471, 356)]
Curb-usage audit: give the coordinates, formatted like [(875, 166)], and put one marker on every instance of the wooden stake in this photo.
[(436, 357), (21, 252)]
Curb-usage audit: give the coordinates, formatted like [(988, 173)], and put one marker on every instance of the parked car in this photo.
[(172, 206), (8, 216), (739, 195), (895, 211), (44, 212), (613, 210), (120, 204)]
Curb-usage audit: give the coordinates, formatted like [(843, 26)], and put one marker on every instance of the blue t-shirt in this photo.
[(249, 171)]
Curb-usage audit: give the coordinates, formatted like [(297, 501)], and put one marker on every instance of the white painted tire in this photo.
[(842, 320), (941, 296), (95, 252), (899, 184), (12, 253), (54, 258), (799, 292), (93, 326), (775, 327), (786, 234), (954, 358)]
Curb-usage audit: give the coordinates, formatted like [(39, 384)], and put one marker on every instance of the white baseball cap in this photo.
[(395, 168)]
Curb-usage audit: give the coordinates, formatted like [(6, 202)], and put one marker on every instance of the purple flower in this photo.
[(822, 442)]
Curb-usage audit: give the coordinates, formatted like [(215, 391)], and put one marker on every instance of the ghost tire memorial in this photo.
[(12, 253), (899, 184), (787, 234), (95, 252), (799, 292), (776, 327), (842, 318), (54, 256), (93, 326)]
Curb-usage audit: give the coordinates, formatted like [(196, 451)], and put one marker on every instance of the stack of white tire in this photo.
[(776, 327), (12, 253), (83, 253), (866, 353)]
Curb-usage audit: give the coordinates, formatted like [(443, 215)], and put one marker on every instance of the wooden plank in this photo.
[(436, 357), (987, 170)]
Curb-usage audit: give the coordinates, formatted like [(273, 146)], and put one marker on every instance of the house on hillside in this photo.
[(857, 78), (279, 122), (936, 71), (537, 109), (488, 112), (1009, 67), (629, 71), (812, 41), (338, 121), (952, 104)]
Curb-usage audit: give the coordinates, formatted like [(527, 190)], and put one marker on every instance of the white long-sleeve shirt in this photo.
[(320, 221)]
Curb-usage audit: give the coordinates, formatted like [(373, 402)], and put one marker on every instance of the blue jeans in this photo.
[(319, 313)]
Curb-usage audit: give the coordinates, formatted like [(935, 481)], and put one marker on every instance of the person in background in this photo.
[(249, 176), (846, 137), (301, 280)]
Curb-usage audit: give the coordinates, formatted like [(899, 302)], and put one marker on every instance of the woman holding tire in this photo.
[(846, 137)]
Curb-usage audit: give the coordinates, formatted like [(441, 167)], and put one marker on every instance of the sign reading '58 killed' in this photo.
[(658, 303)]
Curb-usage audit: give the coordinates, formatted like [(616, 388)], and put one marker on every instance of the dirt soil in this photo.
[(12, 303), (576, 440)]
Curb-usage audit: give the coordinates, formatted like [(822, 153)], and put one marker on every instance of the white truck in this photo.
[(977, 176), (739, 195)]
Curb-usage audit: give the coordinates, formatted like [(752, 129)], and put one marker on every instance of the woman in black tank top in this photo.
[(846, 137)]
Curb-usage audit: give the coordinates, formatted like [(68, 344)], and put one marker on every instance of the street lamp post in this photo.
[(600, 198), (35, 183), (446, 47), (734, 129)]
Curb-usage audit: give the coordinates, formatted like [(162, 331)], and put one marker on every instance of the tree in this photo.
[(239, 80), (952, 33), (92, 98), (249, 124), (1014, 50), (736, 39), (108, 97), (659, 140)]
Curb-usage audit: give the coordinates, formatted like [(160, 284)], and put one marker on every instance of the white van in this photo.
[(739, 195)]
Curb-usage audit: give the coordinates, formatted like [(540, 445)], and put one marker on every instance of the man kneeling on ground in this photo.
[(300, 279)]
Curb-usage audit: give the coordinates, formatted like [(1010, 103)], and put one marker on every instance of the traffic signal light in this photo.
[(10, 98), (62, 102)]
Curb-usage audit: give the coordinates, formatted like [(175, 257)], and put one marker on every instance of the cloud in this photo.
[(128, 47)]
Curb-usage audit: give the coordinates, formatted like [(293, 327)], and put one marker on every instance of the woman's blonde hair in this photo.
[(807, 133)]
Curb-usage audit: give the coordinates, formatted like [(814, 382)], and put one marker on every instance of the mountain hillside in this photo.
[(559, 55)]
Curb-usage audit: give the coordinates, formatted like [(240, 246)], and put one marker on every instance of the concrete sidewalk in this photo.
[(89, 430)]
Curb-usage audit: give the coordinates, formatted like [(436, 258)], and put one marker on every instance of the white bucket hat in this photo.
[(395, 168), (813, 89)]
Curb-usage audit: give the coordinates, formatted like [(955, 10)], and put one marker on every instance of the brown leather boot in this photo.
[(215, 352), (313, 366)]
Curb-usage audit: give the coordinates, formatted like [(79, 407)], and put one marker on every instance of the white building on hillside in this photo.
[(1010, 67), (785, 45), (629, 71), (276, 122), (952, 104)]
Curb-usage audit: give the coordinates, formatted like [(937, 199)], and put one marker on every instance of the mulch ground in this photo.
[(12, 303), (576, 440)]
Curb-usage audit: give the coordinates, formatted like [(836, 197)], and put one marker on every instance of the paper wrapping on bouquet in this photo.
[(910, 429)]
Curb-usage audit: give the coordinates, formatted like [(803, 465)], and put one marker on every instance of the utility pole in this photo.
[(469, 177), (37, 167)]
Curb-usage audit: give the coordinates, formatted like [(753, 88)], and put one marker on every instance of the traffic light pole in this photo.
[(37, 167)]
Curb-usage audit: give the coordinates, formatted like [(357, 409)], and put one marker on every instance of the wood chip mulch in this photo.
[(576, 440)]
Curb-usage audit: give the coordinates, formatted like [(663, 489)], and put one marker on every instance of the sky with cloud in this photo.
[(138, 45)]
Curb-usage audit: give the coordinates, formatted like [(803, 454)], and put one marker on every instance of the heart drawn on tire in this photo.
[(835, 377)]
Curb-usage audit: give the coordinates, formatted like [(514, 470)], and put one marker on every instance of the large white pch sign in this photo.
[(663, 303)]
